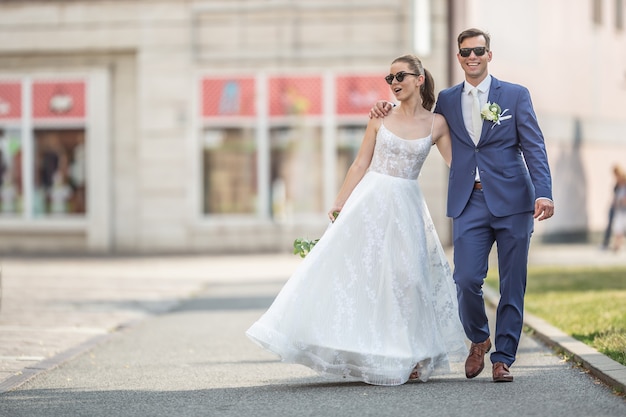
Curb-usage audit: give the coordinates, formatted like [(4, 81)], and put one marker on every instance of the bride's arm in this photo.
[(358, 168), (441, 136)]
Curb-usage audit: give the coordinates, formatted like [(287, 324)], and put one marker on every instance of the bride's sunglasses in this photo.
[(398, 76), (479, 51)]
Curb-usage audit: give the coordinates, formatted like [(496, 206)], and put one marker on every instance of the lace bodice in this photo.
[(399, 157)]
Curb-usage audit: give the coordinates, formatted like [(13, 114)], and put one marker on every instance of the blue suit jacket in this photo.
[(511, 156)]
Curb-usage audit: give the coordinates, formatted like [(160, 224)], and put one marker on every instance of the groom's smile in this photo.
[(474, 66)]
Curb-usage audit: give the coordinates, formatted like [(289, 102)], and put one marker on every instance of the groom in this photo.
[(499, 182)]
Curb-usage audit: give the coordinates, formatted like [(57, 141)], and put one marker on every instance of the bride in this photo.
[(374, 300)]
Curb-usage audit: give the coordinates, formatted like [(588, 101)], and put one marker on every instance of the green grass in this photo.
[(587, 303)]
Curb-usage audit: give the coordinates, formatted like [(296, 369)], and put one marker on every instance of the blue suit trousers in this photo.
[(475, 231)]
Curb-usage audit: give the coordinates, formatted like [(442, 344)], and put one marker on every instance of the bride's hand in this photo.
[(380, 109), (333, 213)]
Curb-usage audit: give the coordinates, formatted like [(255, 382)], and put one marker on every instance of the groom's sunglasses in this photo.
[(479, 51), (398, 76)]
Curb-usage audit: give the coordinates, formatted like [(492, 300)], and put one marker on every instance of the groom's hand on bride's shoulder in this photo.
[(380, 109)]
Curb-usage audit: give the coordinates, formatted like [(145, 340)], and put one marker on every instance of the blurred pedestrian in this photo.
[(619, 216), (608, 232)]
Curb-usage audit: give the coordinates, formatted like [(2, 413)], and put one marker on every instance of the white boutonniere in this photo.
[(493, 113)]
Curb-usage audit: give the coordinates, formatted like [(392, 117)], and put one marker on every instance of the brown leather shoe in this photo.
[(475, 362), (501, 373)]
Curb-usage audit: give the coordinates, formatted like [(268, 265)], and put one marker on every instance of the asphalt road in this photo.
[(196, 361)]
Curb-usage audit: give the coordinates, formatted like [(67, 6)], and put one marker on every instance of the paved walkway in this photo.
[(55, 308)]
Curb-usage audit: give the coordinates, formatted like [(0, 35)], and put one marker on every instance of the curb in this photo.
[(602, 367), (48, 364)]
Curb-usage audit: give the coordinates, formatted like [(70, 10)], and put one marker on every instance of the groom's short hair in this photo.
[(472, 33)]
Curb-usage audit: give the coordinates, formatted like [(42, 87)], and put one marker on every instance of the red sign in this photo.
[(59, 100), (357, 94), (228, 97), (295, 96), (10, 100)]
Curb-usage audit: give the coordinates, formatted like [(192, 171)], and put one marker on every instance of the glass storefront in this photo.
[(43, 164), (296, 185), (229, 160), (280, 166), (10, 172), (59, 172), (349, 140)]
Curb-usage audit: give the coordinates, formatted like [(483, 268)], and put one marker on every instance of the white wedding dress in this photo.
[(375, 297)]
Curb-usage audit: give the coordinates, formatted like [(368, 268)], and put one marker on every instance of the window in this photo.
[(59, 172), (268, 141), (229, 171), (43, 164), (10, 172), (296, 185), (619, 14), (349, 140)]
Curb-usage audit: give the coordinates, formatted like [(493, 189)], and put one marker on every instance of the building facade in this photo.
[(155, 126)]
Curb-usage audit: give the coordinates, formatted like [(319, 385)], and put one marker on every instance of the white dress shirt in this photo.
[(466, 107)]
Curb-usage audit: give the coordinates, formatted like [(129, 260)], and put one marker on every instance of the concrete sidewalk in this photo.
[(54, 309)]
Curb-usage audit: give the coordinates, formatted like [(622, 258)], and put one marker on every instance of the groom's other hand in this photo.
[(544, 209), (380, 109)]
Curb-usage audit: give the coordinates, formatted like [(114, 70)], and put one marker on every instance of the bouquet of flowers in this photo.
[(302, 246)]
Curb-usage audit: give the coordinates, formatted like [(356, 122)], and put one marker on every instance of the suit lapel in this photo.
[(458, 111), (494, 96)]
